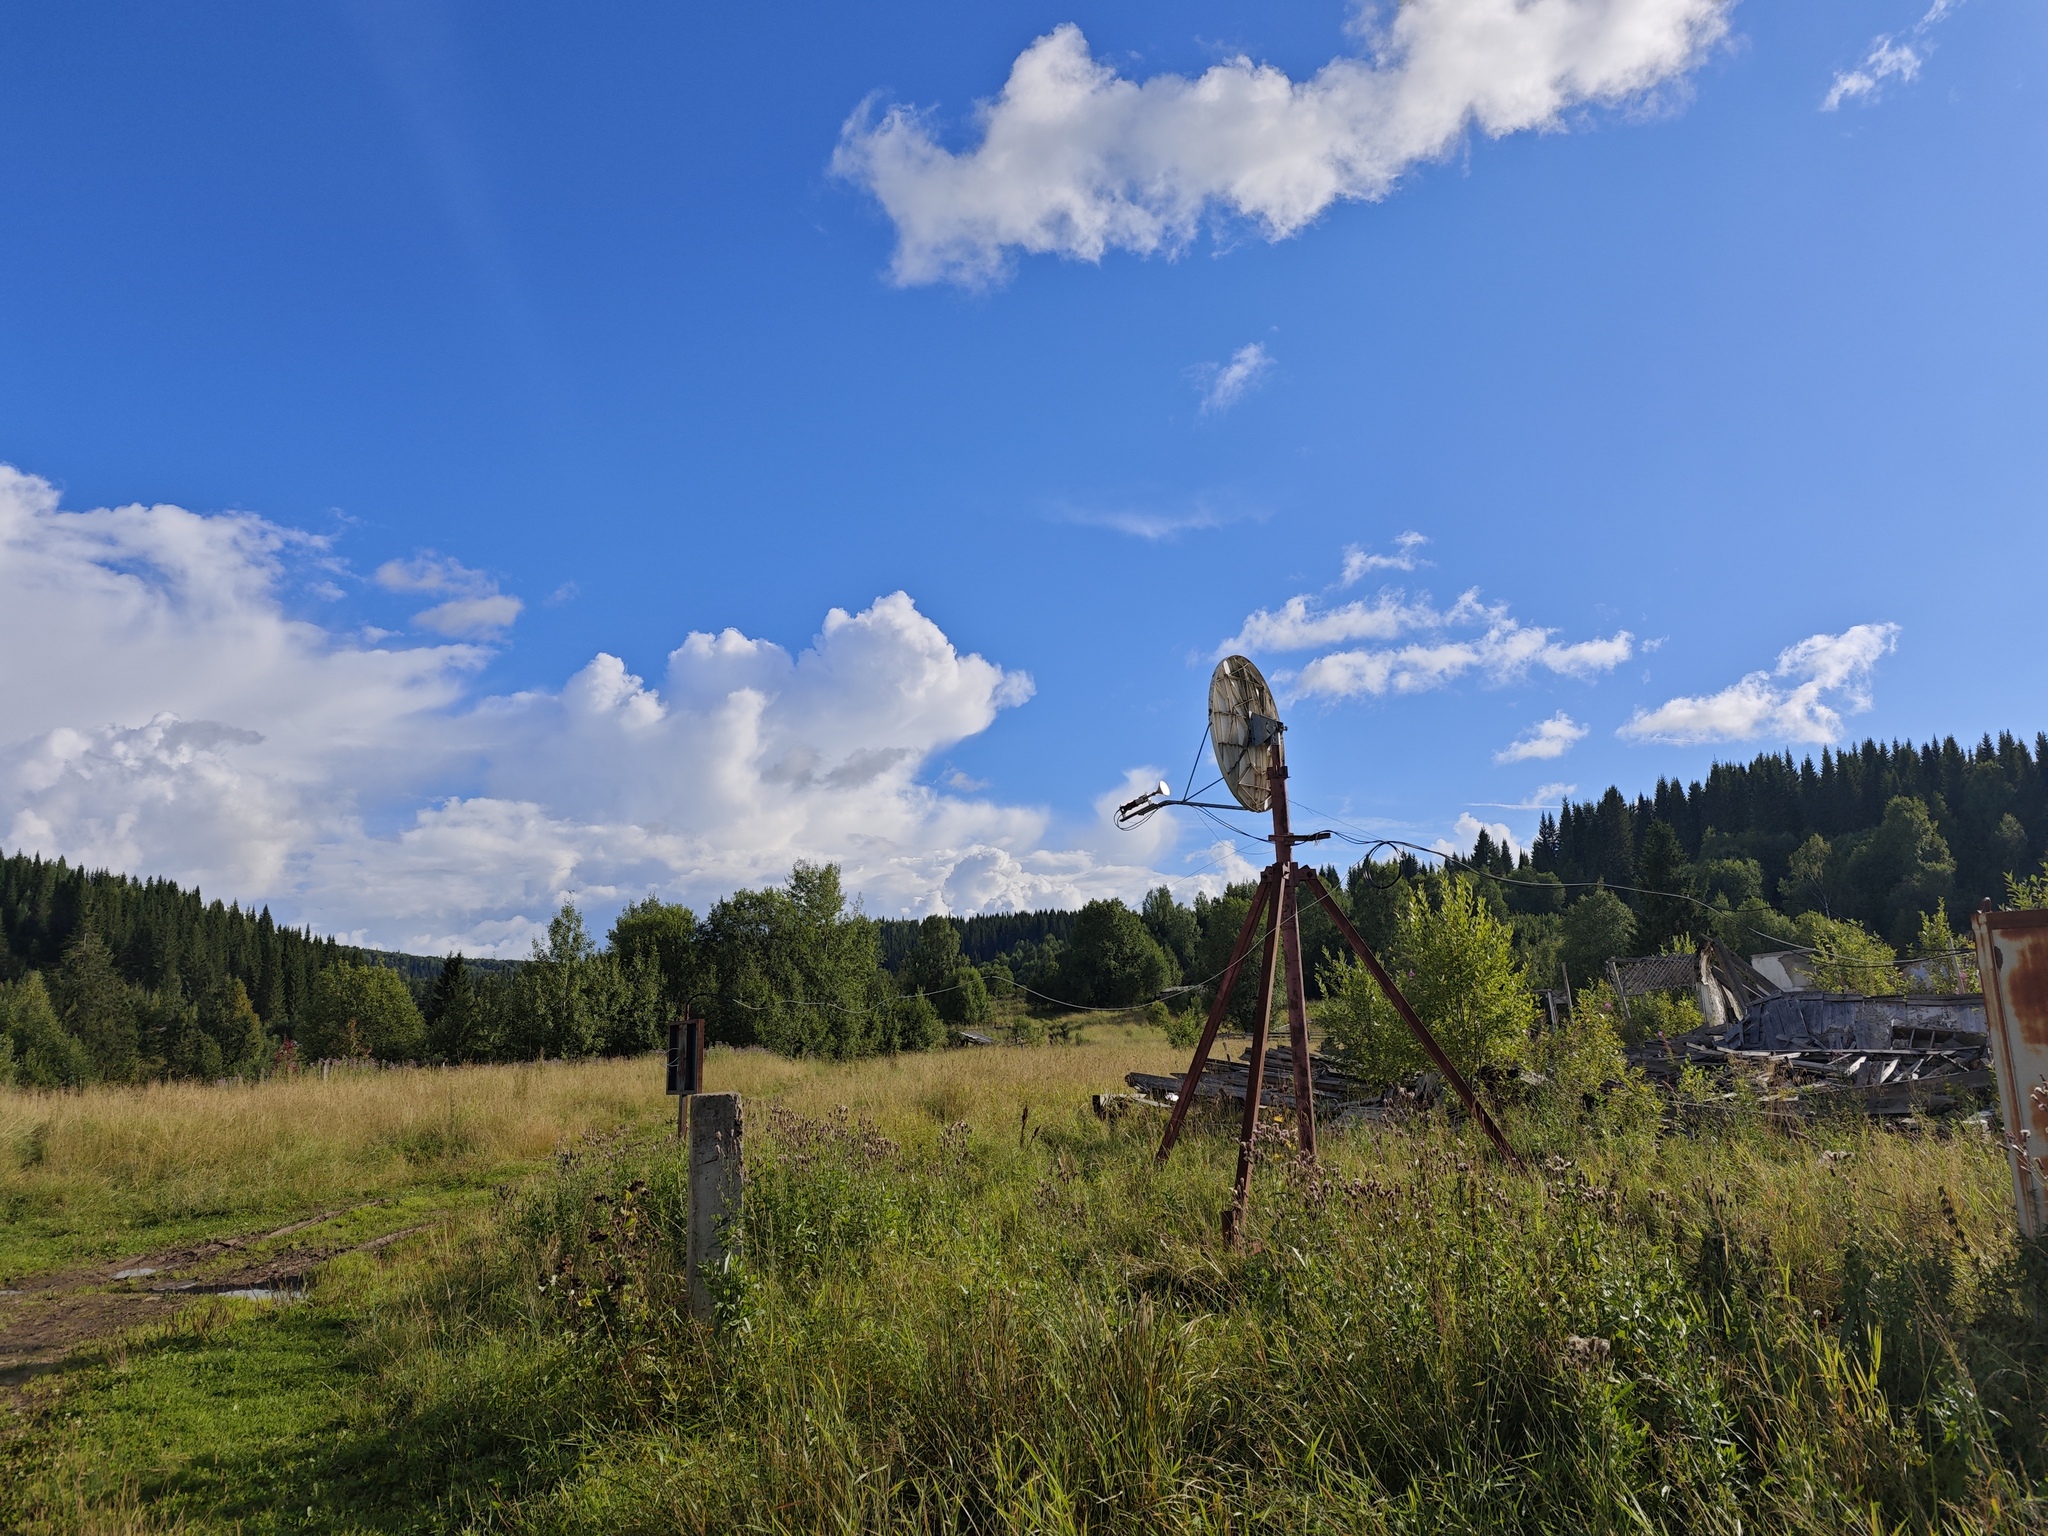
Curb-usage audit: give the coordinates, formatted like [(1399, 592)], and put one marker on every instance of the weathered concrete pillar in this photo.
[(715, 1175)]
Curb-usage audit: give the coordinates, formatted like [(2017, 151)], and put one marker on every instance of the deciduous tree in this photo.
[(1597, 927), (1454, 961), (1112, 961), (363, 1011)]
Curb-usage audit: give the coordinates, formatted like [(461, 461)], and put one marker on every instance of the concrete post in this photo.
[(715, 1177)]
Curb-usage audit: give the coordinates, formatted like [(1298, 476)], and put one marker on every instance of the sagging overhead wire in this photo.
[(1373, 844), (1162, 995), (1136, 811), (1452, 860)]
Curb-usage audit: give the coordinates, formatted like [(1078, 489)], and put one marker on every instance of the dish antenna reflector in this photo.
[(1245, 727)]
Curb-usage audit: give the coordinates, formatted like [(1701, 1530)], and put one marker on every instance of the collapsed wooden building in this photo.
[(1800, 1051)]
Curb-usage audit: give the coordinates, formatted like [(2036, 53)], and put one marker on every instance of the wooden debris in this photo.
[(1337, 1094), (1882, 1081)]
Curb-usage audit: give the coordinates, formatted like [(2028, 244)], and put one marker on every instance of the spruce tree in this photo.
[(94, 1004), (1663, 912)]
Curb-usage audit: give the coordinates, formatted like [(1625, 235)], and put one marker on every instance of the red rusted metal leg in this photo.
[(1249, 927), (1255, 1079), (1297, 1017)]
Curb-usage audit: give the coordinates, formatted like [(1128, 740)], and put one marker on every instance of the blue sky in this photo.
[(476, 343)]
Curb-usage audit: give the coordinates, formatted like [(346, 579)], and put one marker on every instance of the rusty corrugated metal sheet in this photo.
[(2012, 957)]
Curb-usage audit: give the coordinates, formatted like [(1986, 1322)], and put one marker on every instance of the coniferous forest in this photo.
[(1863, 857), (1834, 828)]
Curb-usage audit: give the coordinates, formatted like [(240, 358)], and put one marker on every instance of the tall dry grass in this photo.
[(989, 1086), (940, 1325), (91, 1174)]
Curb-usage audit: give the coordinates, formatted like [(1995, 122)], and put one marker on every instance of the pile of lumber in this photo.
[(1337, 1093), (1818, 1079)]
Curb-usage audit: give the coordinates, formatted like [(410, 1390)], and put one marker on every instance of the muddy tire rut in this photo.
[(45, 1318)]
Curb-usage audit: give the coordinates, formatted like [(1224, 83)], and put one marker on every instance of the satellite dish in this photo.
[(1245, 727)]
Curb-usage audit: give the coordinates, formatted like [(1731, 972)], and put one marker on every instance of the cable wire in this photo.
[(1457, 861)]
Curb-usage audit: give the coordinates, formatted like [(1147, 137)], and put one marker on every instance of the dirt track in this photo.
[(45, 1318)]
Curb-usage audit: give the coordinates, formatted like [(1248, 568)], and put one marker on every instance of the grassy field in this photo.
[(956, 1316)]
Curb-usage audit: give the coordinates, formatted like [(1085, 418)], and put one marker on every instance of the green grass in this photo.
[(218, 1414), (240, 1415), (951, 1318)]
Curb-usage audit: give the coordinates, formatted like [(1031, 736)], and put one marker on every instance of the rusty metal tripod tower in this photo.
[(1246, 732)]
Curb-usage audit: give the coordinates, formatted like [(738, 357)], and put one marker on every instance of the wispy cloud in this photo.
[(1547, 739), (1074, 159), (475, 610), (1891, 56), (1151, 523), (1795, 701), (1541, 798), (1509, 650), (1359, 562), (1302, 623), (1224, 384), (471, 618)]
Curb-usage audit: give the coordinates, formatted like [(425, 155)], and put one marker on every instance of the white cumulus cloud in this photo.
[(1547, 739), (1504, 650), (185, 723), (1230, 382), (1889, 57), (1459, 844), (1802, 698), (1076, 160)]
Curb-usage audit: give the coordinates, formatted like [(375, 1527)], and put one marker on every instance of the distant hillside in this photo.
[(1875, 832), (419, 971), (1879, 833), (981, 938)]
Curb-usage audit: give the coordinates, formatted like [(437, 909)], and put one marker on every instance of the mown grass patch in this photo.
[(238, 1414)]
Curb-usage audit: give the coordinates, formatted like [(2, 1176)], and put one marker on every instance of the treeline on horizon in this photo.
[(1833, 828), (1860, 857)]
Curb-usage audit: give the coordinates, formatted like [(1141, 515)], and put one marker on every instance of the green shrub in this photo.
[(1650, 1014), (1455, 963), (1847, 957), (918, 1026), (1182, 1029), (968, 1001)]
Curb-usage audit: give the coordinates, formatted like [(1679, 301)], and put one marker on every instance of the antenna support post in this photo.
[(1248, 737)]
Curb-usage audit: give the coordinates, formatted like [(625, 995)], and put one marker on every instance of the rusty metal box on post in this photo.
[(2012, 958)]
